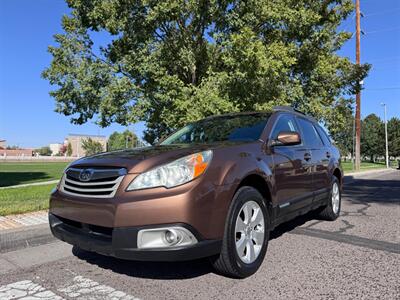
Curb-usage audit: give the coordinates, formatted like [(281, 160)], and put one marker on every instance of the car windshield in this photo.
[(233, 128)]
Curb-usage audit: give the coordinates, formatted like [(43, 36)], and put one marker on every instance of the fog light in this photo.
[(165, 237), (172, 237)]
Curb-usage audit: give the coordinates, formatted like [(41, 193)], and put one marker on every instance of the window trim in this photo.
[(296, 124), (321, 131)]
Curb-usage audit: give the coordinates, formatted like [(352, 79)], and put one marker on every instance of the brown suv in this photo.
[(214, 188)]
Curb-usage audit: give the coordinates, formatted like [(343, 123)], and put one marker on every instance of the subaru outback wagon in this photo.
[(214, 188)]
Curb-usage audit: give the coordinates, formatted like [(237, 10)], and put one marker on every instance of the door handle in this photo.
[(328, 154), (307, 156)]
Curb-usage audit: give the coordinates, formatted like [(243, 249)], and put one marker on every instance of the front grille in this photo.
[(98, 182)]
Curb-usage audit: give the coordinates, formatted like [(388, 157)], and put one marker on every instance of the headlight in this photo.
[(175, 173)]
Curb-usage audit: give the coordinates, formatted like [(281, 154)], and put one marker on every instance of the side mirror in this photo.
[(287, 138)]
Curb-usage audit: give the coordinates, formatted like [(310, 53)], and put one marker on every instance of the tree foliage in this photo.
[(342, 130), (372, 137), (174, 61), (126, 139), (69, 149), (91, 147), (394, 137), (44, 151)]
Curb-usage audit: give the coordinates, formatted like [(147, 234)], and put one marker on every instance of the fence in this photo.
[(23, 158)]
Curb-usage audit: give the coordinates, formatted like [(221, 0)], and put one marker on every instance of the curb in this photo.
[(355, 175), (15, 239)]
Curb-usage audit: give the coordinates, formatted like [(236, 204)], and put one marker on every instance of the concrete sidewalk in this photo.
[(23, 220), (29, 184)]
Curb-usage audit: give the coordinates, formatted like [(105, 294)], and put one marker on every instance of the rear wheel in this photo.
[(332, 210), (246, 235)]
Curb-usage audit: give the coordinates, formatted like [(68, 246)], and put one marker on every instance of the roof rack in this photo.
[(287, 108)]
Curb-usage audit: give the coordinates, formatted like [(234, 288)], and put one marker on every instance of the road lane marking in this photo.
[(26, 289), (348, 239), (85, 288), (81, 288)]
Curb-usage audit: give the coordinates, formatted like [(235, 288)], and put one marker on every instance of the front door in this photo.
[(292, 169)]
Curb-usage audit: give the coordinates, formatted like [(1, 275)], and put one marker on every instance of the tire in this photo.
[(253, 242), (331, 211)]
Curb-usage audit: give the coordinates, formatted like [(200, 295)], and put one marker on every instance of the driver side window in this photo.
[(284, 123)]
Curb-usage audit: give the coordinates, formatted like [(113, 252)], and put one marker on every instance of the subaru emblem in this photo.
[(86, 175)]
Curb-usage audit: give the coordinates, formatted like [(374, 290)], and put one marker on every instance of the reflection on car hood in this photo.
[(141, 159)]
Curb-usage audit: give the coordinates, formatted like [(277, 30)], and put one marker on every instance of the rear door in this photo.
[(319, 157), (293, 177)]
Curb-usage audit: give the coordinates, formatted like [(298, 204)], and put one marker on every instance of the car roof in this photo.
[(288, 109)]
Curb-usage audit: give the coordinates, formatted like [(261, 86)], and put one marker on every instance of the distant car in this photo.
[(214, 188)]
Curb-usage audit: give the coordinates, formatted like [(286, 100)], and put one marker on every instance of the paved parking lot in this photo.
[(355, 257)]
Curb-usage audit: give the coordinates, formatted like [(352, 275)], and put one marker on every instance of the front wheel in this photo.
[(332, 210), (246, 235)]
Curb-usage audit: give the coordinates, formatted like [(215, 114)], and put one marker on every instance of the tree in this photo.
[(126, 139), (13, 147), (91, 147), (343, 135), (171, 62), (394, 137), (69, 149), (63, 149), (44, 151), (372, 137)]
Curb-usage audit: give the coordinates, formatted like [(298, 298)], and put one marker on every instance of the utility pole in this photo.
[(386, 138), (358, 96)]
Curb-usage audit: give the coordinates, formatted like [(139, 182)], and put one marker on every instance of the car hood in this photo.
[(142, 159)]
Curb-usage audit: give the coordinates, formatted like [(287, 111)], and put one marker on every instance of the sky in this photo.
[(27, 117)]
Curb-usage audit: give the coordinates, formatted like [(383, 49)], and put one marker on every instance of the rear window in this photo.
[(309, 133), (324, 136)]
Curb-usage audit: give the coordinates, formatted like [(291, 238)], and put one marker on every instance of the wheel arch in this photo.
[(258, 182), (338, 174)]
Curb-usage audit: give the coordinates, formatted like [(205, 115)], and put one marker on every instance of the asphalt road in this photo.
[(355, 257)]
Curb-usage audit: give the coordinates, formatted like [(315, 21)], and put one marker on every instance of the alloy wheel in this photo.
[(249, 232)]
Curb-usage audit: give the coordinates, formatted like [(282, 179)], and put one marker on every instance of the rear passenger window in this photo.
[(284, 123), (324, 136), (310, 134)]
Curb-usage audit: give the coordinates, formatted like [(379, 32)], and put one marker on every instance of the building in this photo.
[(75, 140), (13, 152), (55, 148)]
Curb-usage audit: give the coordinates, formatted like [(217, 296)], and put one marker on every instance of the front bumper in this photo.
[(121, 242)]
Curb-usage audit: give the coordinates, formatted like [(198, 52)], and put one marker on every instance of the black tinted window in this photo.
[(324, 136), (236, 128), (284, 123), (310, 134)]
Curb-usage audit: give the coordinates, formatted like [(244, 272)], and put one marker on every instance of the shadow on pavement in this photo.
[(360, 190), (151, 270), (171, 270), (382, 191)]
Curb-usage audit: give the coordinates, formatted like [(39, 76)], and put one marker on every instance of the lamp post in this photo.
[(386, 136)]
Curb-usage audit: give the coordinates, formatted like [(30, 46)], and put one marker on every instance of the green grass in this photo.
[(348, 166), (28, 172), (24, 199)]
